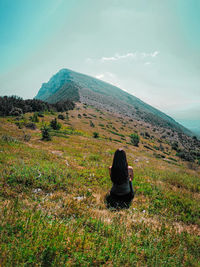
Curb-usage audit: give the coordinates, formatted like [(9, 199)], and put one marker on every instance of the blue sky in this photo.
[(149, 48)]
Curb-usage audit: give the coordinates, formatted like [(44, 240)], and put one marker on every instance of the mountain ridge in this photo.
[(68, 84)]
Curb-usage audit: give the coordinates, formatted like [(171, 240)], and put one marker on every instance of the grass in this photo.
[(52, 210), (48, 240)]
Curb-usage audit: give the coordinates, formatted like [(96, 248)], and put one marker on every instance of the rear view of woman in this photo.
[(121, 174)]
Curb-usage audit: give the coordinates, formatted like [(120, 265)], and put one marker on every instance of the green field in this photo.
[(52, 209)]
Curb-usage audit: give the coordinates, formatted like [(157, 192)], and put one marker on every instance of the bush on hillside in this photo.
[(27, 137), (61, 117), (147, 135), (92, 124), (16, 111), (62, 106), (34, 118), (161, 147), (95, 135), (20, 124), (45, 130), (183, 154), (40, 114), (30, 125), (15, 106), (55, 125), (134, 139), (9, 139), (175, 146)]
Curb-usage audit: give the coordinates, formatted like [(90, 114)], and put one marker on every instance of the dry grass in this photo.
[(62, 185)]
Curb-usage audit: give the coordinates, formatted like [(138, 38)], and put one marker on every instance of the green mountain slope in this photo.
[(68, 84)]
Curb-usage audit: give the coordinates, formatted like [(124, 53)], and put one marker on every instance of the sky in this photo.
[(149, 48)]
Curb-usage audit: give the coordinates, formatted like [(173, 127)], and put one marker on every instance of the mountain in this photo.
[(193, 125), (68, 84)]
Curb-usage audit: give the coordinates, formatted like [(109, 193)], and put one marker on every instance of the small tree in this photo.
[(55, 125), (35, 117), (175, 145), (67, 116), (95, 135), (61, 117), (16, 111), (135, 139), (41, 115), (92, 124), (30, 125), (46, 133), (161, 147), (27, 137)]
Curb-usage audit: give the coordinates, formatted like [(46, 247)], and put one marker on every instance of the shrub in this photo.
[(16, 111), (61, 117), (135, 139), (31, 126), (92, 124), (172, 159), (194, 138), (15, 106), (35, 118), (27, 137), (55, 125), (158, 156), (40, 115), (20, 124), (148, 147), (147, 135), (161, 147), (46, 133), (9, 139), (175, 146), (95, 135), (183, 154)]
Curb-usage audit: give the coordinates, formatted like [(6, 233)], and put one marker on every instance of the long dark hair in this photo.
[(119, 170)]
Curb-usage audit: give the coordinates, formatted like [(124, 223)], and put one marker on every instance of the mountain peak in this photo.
[(68, 84)]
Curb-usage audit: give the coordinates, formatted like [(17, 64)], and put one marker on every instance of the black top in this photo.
[(121, 189)]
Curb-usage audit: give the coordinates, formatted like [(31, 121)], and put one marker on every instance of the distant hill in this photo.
[(193, 125), (68, 84)]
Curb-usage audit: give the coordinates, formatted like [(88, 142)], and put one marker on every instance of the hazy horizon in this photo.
[(149, 49)]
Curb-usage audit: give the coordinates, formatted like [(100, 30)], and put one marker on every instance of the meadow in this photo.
[(52, 195)]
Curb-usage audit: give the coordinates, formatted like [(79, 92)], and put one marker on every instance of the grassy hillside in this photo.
[(52, 210)]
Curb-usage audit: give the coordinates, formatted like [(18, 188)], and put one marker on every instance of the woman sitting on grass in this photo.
[(121, 174)]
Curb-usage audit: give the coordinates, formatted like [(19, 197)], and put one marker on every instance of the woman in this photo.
[(121, 174)]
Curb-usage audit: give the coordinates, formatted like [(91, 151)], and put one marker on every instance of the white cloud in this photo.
[(131, 55), (118, 57), (99, 76), (136, 56)]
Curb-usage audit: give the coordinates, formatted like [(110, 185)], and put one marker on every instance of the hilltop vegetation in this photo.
[(52, 209), (15, 106)]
